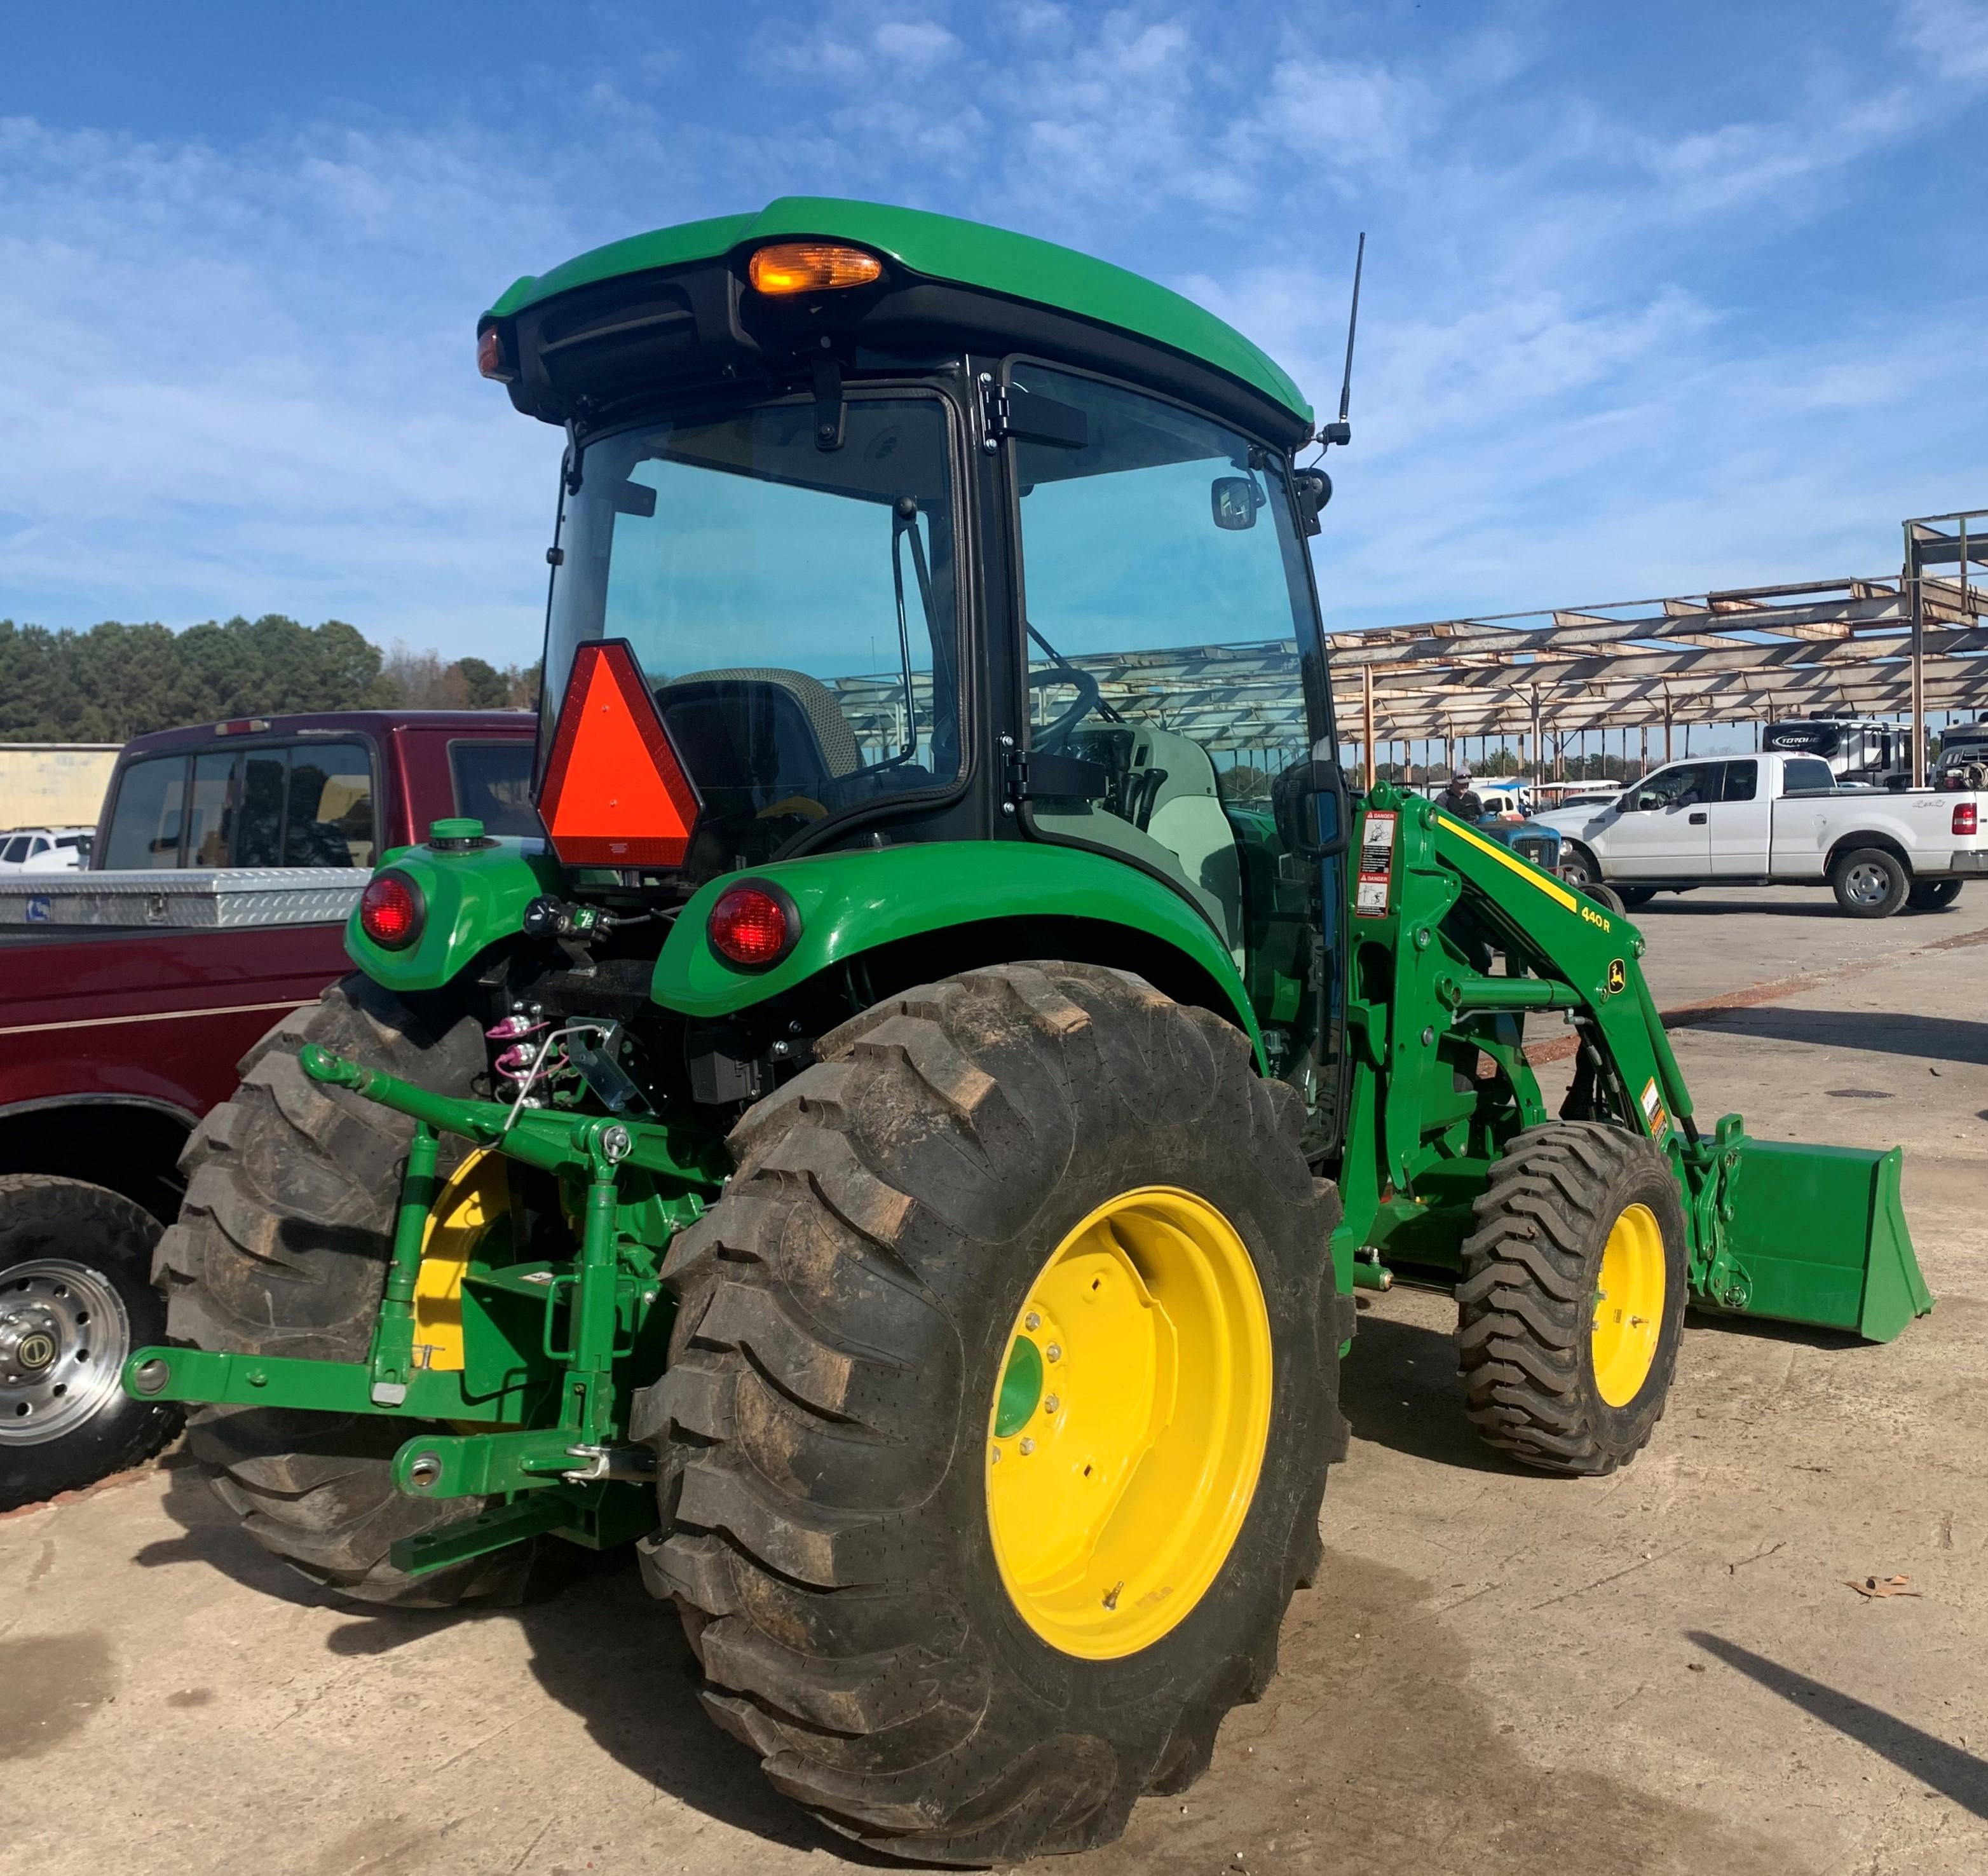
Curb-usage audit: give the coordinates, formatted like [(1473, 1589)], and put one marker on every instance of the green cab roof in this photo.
[(942, 247)]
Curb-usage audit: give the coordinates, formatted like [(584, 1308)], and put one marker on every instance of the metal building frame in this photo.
[(1905, 645)]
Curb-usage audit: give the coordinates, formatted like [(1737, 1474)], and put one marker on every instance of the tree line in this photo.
[(114, 681)]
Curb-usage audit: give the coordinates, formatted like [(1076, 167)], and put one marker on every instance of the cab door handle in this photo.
[(1697, 821)]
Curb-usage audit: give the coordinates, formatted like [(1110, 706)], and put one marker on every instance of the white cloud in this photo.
[(914, 44), (1953, 34)]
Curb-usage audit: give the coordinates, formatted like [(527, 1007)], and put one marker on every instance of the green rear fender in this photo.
[(852, 901), (471, 900)]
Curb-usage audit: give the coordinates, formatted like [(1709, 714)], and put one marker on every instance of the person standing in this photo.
[(1460, 799)]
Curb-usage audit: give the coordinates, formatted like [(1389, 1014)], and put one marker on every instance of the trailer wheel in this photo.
[(1933, 895), (76, 1298), (281, 1249), (998, 1409), (1571, 1305), (1870, 883)]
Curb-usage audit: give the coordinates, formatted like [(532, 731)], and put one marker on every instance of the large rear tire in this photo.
[(1571, 1305), (849, 1357), (281, 1249)]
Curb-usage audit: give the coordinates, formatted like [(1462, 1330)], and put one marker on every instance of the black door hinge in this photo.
[(1046, 776), (1014, 410)]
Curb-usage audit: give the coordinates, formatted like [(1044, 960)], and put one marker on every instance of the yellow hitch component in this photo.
[(1629, 1305), (477, 1195), (1114, 1499)]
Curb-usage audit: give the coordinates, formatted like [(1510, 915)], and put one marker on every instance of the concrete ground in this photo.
[(1663, 1671)]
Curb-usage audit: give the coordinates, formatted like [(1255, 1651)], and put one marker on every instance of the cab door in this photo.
[(1663, 830), (1738, 823), (1177, 712)]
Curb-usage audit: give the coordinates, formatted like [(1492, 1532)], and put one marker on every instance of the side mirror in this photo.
[(1309, 804), (1234, 500)]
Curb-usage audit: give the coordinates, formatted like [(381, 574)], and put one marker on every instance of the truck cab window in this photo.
[(145, 822), (330, 821), (1743, 780), (1803, 774), (493, 784), (1688, 785)]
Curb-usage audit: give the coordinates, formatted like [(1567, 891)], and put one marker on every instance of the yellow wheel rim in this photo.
[(1127, 1427), (1629, 1305), (477, 1194)]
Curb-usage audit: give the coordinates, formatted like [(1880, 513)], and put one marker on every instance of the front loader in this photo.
[(902, 1150)]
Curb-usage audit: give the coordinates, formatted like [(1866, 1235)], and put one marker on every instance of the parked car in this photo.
[(1779, 819), (130, 997), (45, 850)]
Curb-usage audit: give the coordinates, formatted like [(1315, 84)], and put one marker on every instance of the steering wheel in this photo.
[(1041, 678)]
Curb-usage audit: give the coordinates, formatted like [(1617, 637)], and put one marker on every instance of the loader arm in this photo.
[(1454, 941)]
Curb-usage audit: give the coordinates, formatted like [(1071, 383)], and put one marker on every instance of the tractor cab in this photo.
[(918, 533)]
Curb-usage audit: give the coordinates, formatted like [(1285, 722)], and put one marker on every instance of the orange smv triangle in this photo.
[(615, 793)]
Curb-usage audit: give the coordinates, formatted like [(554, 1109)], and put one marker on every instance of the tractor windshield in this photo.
[(792, 607)]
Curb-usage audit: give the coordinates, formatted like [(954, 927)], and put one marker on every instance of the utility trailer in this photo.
[(910, 1176)]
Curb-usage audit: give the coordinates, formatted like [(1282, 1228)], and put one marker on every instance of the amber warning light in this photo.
[(615, 792), (811, 267)]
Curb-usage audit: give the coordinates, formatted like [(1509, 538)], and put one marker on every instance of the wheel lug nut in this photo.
[(1028, 1447), (996, 1459), (1054, 1351), (1031, 1320), (1051, 1403)]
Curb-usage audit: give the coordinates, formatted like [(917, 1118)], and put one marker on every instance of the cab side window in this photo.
[(1803, 774), (1743, 780), (331, 821), (1688, 785), (147, 823)]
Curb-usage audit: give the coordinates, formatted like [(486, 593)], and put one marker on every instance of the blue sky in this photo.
[(1657, 299)]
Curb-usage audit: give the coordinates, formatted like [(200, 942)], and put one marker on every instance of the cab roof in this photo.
[(942, 248)]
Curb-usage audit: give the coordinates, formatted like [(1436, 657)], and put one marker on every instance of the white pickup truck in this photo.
[(1777, 820)]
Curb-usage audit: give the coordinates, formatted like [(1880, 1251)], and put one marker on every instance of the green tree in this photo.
[(484, 687), (116, 681)]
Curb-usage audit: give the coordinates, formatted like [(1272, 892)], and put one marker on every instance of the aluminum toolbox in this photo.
[(197, 899)]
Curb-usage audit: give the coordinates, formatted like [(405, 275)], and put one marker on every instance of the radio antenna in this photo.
[(1341, 432)]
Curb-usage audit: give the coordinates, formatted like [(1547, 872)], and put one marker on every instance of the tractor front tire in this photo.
[(281, 1249), (1570, 1309), (904, 1302)]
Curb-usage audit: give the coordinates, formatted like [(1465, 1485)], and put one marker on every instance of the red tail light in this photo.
[(390, 911), (754, 924), (1965, 819)]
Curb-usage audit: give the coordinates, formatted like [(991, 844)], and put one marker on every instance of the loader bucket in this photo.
[(1818, 1236)]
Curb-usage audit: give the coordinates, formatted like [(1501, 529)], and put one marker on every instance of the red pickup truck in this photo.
[(129, 994)]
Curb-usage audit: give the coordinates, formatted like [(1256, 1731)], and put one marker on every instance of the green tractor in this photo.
[(902, 1151)]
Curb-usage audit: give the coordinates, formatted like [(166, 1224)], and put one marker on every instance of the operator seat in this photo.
[(760, 727)]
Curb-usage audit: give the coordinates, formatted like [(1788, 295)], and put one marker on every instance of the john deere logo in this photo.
[(1618, 978)]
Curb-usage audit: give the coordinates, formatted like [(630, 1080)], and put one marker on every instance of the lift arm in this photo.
[(1454, 941)]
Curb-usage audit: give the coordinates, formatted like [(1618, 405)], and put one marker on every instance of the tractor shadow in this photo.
[(1399, 1390), (609, 1653), (600, 1646), (1925, 1038)]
